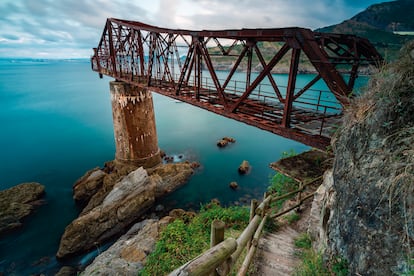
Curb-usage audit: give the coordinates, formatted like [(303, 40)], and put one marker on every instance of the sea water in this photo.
[(56, 123)]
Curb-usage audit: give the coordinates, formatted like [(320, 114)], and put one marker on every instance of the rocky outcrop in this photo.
[(18, 202), (169, 177), (127, 200), (90, 190), (321, 212), (370, 222), (127, 255)]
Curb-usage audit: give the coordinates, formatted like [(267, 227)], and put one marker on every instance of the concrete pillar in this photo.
[(134, 125)]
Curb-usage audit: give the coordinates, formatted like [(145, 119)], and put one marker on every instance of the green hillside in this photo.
[(378, 24)]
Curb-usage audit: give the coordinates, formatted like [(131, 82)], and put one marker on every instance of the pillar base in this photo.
[(146, 163)]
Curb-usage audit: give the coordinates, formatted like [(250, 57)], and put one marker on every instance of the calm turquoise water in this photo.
[(56, 124)]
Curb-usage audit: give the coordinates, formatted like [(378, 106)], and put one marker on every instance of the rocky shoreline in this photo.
[(115, 197), (18, 202)]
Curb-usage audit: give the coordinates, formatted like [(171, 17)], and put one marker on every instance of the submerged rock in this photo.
[(18, 202)]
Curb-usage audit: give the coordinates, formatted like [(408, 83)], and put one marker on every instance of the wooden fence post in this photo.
[(217, 232), (253, 206)]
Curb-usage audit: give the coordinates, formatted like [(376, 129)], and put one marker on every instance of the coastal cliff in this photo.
[(367, 210)]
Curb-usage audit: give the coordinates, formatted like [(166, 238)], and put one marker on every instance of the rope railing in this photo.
[(221, 258)]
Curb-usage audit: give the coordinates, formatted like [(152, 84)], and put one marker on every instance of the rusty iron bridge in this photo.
[(249, 75)]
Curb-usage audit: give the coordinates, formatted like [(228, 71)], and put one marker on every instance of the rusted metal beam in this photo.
[(290, 91), (262, 75)]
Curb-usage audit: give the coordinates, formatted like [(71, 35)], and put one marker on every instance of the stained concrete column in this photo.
[(134, 125)]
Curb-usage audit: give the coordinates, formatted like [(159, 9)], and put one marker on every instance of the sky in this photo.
[(70, 29)]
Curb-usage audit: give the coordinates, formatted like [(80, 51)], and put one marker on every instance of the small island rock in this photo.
[(244, 167), (16, 203), (234, 185), (225, 141)]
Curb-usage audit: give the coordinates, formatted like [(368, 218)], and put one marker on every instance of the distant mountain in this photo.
[(379, 23)]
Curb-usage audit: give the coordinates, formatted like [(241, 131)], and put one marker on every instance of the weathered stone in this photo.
[(225, 141), (169, 177), (244, 167), (116, 206), (229, 139), (16, 203), (88, 185), (67, 271), (321, 212), (234, 185), (222, 143), (129, 199), (372, 223), (127, 256), (114, 171)]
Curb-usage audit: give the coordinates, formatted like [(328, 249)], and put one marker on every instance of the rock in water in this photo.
[(225, 141), (222, 143), (244, 167), (116, 206), (17, 203), (234, 185), (128, 200)]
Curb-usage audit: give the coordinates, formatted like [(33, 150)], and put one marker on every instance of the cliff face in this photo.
[(371, 222)]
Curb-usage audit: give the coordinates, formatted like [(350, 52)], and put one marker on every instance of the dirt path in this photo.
[(276, 251)]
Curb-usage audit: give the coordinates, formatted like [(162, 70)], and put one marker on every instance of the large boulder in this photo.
[(18, 202), (123, 204)]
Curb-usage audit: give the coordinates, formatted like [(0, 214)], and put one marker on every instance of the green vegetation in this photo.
[(303, 241), (313, 263), (292, 217), (379, 24), (184, 239), (340, 267), (280, 184)]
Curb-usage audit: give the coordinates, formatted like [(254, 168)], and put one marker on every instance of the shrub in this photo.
[(182, 241)]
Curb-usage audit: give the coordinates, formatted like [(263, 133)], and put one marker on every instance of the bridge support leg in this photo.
[(134, 125)]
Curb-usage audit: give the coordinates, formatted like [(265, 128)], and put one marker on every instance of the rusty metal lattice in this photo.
[(232, 72)]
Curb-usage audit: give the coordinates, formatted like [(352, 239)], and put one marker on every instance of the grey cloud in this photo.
[(62, 25)]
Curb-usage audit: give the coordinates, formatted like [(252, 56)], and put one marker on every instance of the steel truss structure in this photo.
[(249, 75)]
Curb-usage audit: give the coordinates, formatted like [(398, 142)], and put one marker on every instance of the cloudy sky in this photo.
[(70, 28)]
